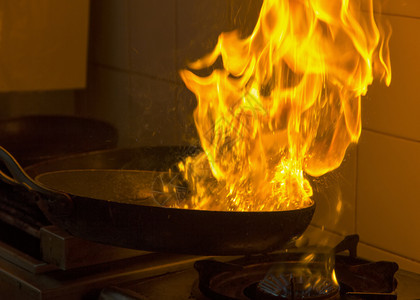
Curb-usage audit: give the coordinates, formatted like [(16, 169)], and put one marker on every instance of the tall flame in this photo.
[(285, 103)]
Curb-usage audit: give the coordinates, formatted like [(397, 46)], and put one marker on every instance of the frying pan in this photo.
[(158, 158), (140, 222), (35, 138)]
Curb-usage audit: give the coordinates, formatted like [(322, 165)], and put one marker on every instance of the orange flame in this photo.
[(286, 102)]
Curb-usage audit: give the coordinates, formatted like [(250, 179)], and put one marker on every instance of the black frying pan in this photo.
[(35, 138), (136, 220)]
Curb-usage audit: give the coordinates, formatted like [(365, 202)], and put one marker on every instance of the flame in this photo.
[(312, 276), (285, 103), (334, 278)]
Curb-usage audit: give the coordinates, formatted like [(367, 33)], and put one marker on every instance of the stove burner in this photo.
[(296, 286), (264, 280), (285, 276)]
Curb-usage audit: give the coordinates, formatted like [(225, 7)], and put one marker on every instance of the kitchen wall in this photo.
[(43, 54), (54, 102), (132, 75), (136, 48), (379, 181), (388, 201), (43, 45)]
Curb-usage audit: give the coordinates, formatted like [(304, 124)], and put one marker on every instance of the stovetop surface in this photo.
[(182, 285), (152, 277), (148, 276)]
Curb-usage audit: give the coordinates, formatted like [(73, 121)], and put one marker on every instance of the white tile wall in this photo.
[(318, 236), (396, 110), (185, 105), (153, 116), (59, 102), (199, 24), (107, 98), (388, 200), (400, 7), (377, 254), (43, 45), (335, 197), (109, 38), (152, 38)]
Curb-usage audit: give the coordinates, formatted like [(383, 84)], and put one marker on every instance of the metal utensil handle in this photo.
[(21, 178)]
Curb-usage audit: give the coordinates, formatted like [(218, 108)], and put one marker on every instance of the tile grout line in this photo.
[(389, 252), (112, 68), (398, 15), (332, 232), (130, 64), (176, 55), (176, 37), (392, 135)]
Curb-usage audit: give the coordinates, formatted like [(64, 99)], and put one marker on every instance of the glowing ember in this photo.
[(286, 103)]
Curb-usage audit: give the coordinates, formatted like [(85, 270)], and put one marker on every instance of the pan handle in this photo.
[(57, 202)]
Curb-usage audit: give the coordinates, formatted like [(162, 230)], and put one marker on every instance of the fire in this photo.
[(285, 103)]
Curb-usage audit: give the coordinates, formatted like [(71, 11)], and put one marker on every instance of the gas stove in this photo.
[(41, 261), (66, 267), (277, 276), (184, 285)]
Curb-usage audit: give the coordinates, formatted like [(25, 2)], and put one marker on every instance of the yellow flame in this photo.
[(334, 278), (285, 103)]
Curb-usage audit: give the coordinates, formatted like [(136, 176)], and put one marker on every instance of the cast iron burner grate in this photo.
[(285, 276), (293, 285)]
